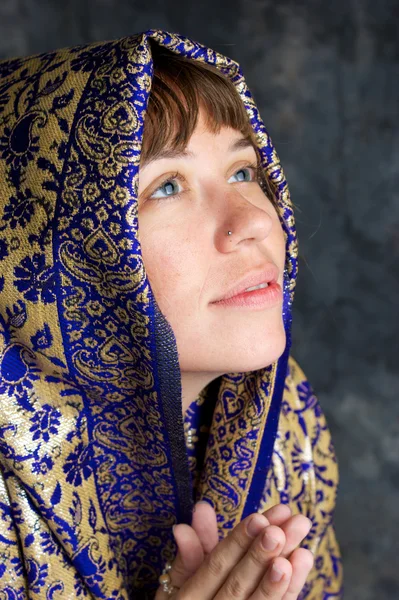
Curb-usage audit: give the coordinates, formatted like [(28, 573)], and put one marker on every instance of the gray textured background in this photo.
[(325, 76)]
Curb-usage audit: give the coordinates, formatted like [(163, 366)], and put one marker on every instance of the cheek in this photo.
[(280, 240), (281, 245), (162, 267), (163, 260), (276, 241)]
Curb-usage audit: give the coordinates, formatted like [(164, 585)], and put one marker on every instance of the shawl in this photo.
[(97, 460)]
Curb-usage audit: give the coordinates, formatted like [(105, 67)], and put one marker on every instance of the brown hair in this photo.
[(180, 86)]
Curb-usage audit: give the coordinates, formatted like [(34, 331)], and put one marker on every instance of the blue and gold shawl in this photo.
[(97, 461)]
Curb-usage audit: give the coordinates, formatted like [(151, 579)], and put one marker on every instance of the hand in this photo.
[(238, 567)]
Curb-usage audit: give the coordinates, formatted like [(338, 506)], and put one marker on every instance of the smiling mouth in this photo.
[(257, 287), (258, 278), (265, 296)]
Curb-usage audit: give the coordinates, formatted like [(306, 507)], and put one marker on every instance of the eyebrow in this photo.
[(174, 153)]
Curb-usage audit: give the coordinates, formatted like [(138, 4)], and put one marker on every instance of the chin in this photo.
[(265, 349), (234, 351), (267, 358), (257, 356)]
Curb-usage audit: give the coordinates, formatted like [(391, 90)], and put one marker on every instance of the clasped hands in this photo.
[(258, 560)]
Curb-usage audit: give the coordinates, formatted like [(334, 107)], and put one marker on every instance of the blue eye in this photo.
[(169, 187), (241, 174)]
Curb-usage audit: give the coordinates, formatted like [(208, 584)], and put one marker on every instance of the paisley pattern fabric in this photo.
[(97, 461)]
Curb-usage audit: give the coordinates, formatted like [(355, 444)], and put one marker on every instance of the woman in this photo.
[(130, 390)]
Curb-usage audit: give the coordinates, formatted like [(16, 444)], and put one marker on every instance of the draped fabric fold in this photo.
[(97, 461)]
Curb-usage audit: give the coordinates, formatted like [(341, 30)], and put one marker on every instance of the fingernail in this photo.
[(276, 574), (173, 529), (256, 524), (200, 502), (268, 542)]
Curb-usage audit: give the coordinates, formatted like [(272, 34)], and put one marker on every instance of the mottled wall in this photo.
[(326, 78)]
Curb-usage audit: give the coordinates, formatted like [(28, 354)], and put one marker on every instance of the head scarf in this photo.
[(95, 465)]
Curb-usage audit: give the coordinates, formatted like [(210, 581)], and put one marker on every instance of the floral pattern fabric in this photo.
[(94, 465)]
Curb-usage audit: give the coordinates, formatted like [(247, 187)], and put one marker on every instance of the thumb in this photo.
[(188, 559), (193, 542), (204, 523), (190, 553)]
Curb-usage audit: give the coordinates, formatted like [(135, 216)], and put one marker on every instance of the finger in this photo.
[(295, 530), (246, 575), (225, 557), (189, 557), (302, 561), (275, 583), (278, 514), (204, 523)]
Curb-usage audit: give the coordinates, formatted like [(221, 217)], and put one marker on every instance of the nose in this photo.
[(246, 220)]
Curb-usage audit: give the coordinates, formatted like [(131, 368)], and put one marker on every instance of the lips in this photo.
[(268, 274)]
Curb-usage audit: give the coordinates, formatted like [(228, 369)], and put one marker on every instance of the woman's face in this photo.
[(191, 261)]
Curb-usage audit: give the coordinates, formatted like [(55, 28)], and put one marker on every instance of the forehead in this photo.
[(176, 153), (228, 139), (224, 134)]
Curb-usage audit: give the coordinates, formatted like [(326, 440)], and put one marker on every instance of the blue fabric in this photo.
[(94, 464)]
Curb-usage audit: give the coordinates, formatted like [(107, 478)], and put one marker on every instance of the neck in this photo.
[(192, 385)]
